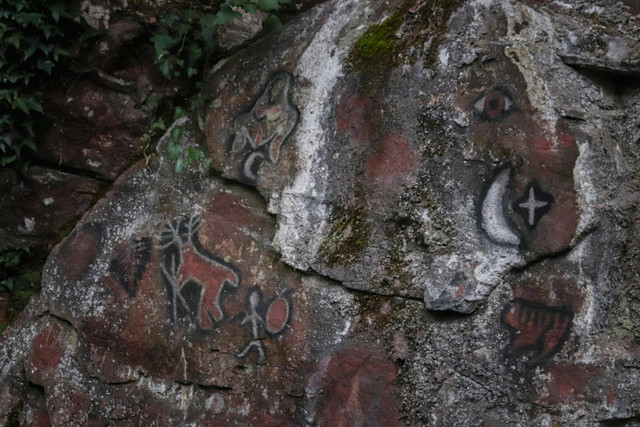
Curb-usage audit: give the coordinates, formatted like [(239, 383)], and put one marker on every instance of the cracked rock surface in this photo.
[(418, 213)]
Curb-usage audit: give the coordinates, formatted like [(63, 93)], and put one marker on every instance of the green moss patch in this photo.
[(377, 45), (348, 238)]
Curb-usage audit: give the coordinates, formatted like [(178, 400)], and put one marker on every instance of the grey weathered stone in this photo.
[(421, 213)]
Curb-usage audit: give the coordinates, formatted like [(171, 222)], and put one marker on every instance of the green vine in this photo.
[(20, 273), (31, 48), (184, 45)]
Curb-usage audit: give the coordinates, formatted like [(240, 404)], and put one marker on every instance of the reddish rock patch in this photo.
[(79, 250), (611, 396), (235, 210), (47, 350), (351, 116), (573, 384), (357, 390), (42, 203), (42, 420), (553, 291), (70, 406), (393, 162)]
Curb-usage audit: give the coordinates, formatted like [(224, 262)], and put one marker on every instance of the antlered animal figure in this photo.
[(195, 277)]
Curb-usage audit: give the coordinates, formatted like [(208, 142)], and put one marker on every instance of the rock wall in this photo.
[(418, 213)]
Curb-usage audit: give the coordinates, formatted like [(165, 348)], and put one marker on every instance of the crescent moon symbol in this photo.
[(494, 222)]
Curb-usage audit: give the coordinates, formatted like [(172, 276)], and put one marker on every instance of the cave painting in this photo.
[(535, 179), (270, 317), (533, 205), (129, 266), (515, 159), (494, 104), (495, 209), (538, 331), (195, 278), (260, 133)]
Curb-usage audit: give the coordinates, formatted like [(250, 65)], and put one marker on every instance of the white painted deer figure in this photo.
[(195, 277)]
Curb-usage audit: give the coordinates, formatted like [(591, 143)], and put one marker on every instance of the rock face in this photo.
[(421, 213)]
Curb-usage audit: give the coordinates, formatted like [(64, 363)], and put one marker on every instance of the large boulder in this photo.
[(420, 213)]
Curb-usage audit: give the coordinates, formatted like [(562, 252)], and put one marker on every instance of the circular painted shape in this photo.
[(277, 315)]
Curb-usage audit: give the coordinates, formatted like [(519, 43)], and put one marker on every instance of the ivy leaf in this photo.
[(9, 284), (195, 154), (268, 5), (178, 113), (30, 51), (30, 143), (20, 103), (5, 160), (180, 164), (207, 161), (35, 105), (14, 39), (45, 66), (226, 14), (274, 24), (46, 29), (45, 48), (189, 15), (195, 103), (177, 133), (169, 19), (163, 42), (58, 51), (8, 94), (166, 69), (208, 31), (55, 13), (28, 18), (174, 151), (194, 52), (158, 124), (250, 7)]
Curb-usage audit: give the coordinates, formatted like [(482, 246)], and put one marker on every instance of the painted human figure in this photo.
[(269, 319), (255, 320)]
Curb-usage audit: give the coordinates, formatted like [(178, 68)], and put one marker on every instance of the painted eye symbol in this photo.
[(493, 104)]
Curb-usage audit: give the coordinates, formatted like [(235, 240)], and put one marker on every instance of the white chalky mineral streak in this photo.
[(528, 57), (587, 194), (302, 211), (493, 266)]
